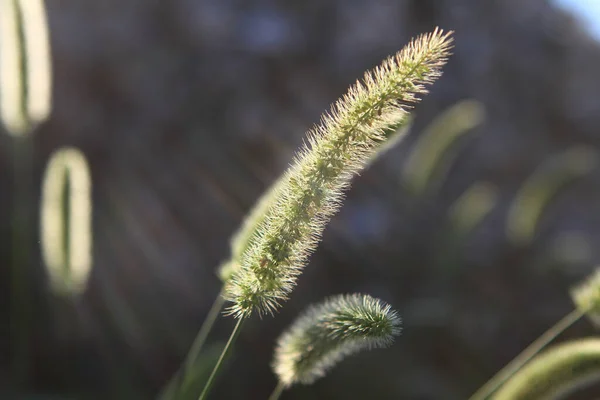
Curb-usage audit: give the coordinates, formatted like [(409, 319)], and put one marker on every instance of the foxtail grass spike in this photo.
[(555, 373), (67, 239), (326, 333), (392, 137), (542, 186), (431, 151), (257, 215), (243, 237), (312, 189)]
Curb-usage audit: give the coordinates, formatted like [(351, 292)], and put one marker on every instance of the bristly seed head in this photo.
[(311, 191), (326, 333)]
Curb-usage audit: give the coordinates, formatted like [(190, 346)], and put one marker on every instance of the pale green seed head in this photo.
[(312, 189), (328, 332)]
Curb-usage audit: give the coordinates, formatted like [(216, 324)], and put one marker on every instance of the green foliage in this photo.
[(311, 190), (328, 332)]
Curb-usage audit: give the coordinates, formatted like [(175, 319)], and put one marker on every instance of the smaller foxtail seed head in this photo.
[(326, 333)]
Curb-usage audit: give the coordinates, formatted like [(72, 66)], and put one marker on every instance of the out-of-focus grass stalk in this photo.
[(184, 377), (534, 348), (277, 391), (12, 79), (22, 239), (542, 186), (25, 101), (37, 58), (565, 367), (211, 379), (201, 338), (472, 207), (431, 154), (555, 373), (25, 65), (586, 297), (66, 234), (464, 216), (198, 375)]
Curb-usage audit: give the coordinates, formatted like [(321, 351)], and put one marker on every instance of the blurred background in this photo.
[(187, 110)]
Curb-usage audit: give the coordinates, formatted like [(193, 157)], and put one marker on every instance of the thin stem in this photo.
[(277, 391), (211, 378), (200, 339), (181, 379), (509, 370)]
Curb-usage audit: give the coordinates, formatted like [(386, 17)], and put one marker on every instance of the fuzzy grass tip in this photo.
[(326, 333)]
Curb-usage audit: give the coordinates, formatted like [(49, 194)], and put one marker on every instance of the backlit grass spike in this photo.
[(328, 332), (311, 190)]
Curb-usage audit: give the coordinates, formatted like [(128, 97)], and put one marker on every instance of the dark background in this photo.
[(188, 109)]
